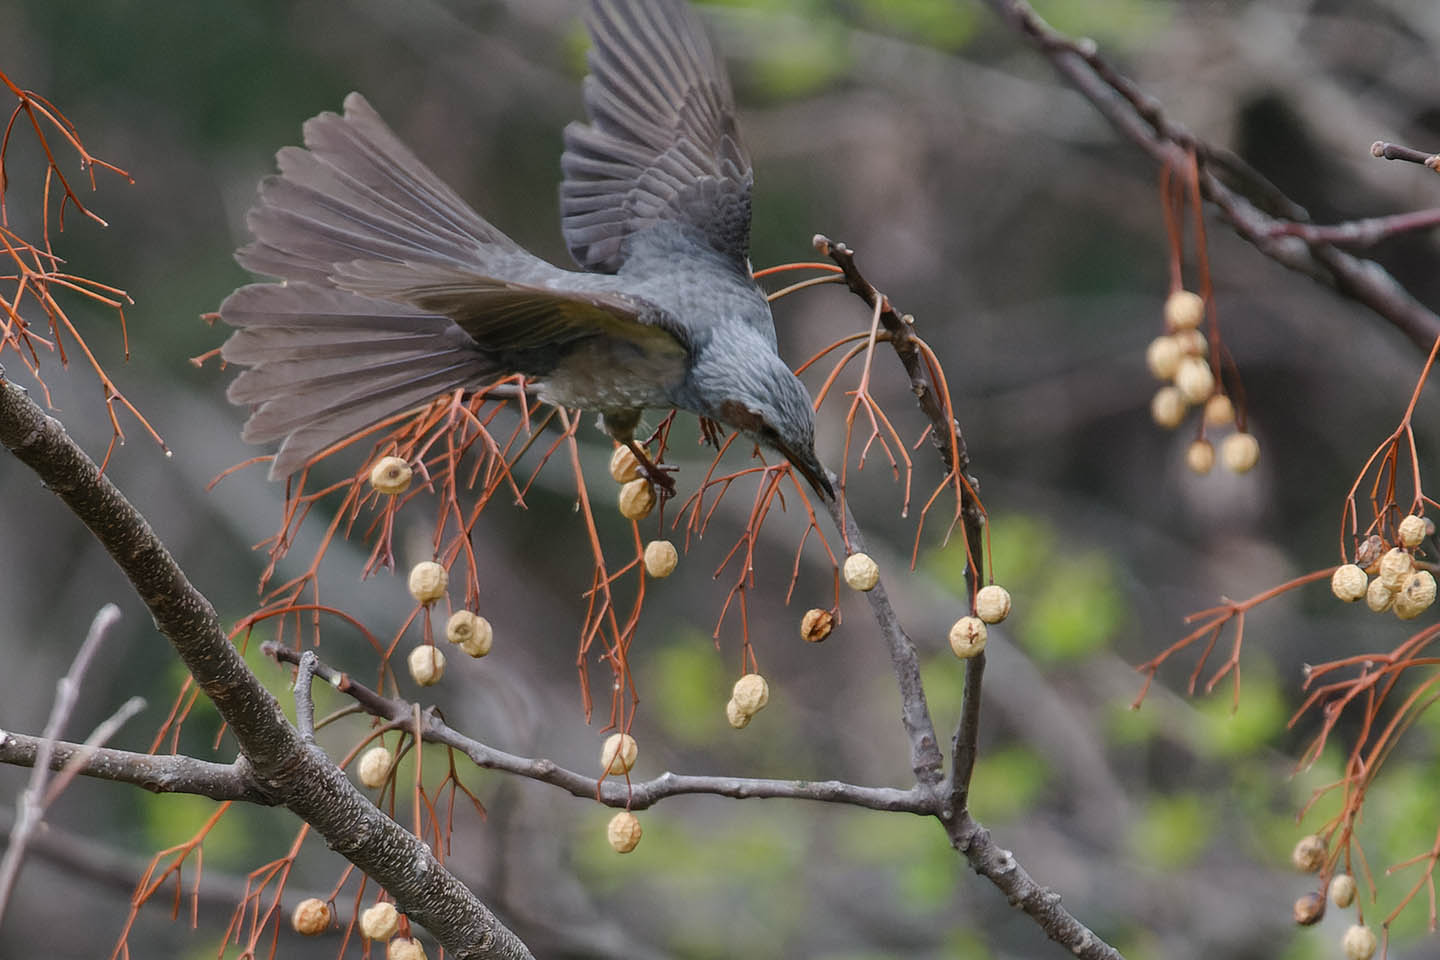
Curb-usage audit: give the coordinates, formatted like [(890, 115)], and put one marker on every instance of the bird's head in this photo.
[(771, 406)]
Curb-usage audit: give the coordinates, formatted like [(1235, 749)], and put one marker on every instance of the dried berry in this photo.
[(1219, 411), (390, 475), (1167, 407), (1412, 531), (470, 632), (1162, 357), (1309, 908), (427, 664), (992, 603), (1348, 582), (1369, 553), (750, 694), (404, 948), (1240, 452), (618, 754), (861, 573), (1378, 597), (1195, 380), (660, 558), (1359, 942), (1200, 457), (624, 466), (736, 717), (375, 765), (380, 921), (967, 637), (1395, 566), (1184, 310), (1415, 595), (428, 581), (311, 917), (1309, 854), (637, 499), (623, 831), (1342, 890), (816, 625)]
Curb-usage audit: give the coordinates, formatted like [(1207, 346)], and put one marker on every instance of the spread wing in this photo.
[(662, 144)]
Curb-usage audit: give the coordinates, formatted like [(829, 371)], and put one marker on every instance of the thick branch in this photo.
[(158, 774), (633, 795), (1140, 119), (299, 776), (1040, 903)]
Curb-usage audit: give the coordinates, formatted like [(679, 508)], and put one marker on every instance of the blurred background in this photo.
[(985, 198)]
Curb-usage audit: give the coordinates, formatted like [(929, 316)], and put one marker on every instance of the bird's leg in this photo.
[(658, 474), (711, 432)]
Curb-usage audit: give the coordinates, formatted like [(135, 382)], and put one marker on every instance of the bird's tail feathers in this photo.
[(324, 364)]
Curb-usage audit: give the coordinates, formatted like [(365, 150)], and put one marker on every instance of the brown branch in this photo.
[(299, 776), (171, 773), (634, 795), (1141, 119)]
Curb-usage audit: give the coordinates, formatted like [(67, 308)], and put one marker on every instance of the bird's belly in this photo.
[(605, 374)]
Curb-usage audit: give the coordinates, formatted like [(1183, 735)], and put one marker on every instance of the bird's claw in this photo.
[(657, 473)]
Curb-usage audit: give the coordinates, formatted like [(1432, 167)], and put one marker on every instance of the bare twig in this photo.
[(31, 807), (1141, 119), (304, 700)]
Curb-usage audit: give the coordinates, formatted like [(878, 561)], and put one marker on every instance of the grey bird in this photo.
[(394, 291)]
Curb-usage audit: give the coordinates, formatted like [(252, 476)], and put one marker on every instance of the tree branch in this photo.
[(297, 775), (633, 795), (174, 773), (1140, 118)]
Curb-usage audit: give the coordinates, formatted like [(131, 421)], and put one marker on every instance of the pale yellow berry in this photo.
[(1349, 582), (750, 694), (1219, 411), (1309, 908), (470, 632), (1378, 597), (1342, 890), (1167, 407), (618, 754), (816, 625), (992, 603), (1359, 942), (1200, 457), (624, 467), (375, 765), (623, 831), (1192, 343), (861, 573), (1309, 854), (390, 475), (311, 917), (637, 499), (736, 717), (428, 581), (1184, 310), (1415, 595), (1412, 531), (404, 948), (1162, 357), (1240, 452), (660, 558), (1194, 380), (427, 664), (1395, 566), (967, 637), (380, 921)]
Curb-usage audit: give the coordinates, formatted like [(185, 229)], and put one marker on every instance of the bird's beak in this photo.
[(809, 466)]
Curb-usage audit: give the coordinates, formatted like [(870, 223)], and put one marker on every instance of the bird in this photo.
[(392, 290)]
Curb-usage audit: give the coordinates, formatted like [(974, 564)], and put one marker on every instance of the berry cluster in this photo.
[(1398, 584), (1178, 357), (1309, 856)]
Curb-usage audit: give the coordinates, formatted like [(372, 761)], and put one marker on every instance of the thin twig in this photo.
[(31, 807)]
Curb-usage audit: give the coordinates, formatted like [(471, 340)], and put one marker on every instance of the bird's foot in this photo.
[(711, 432)]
